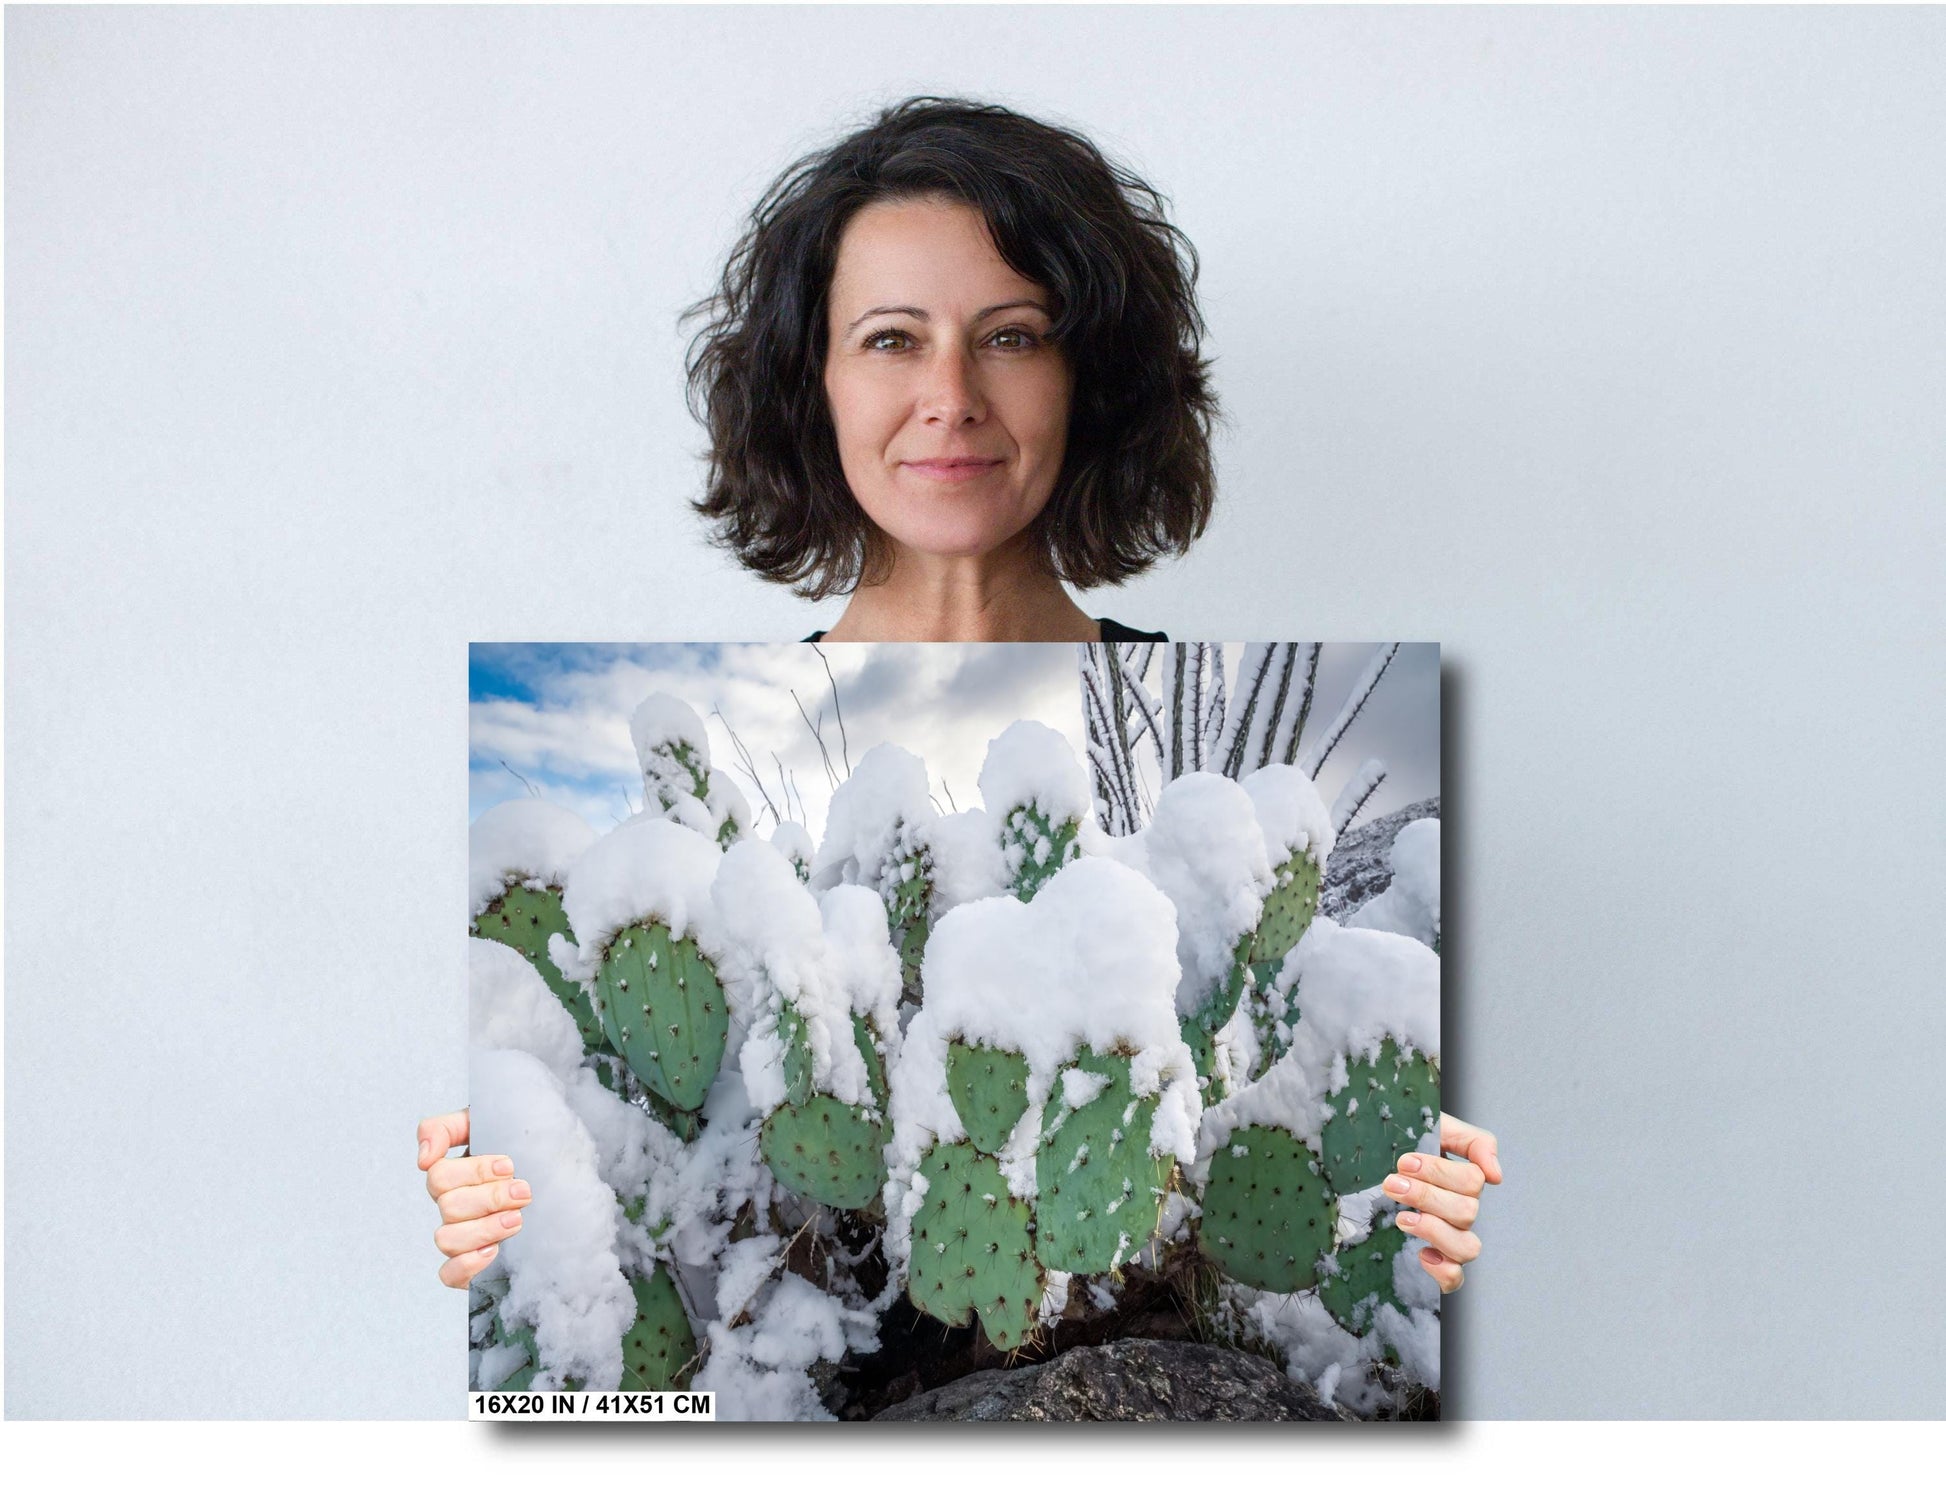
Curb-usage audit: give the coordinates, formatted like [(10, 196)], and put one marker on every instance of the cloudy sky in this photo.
[(553, 718)]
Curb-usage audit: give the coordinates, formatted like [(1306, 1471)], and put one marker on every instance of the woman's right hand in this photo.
[(479, 1199)]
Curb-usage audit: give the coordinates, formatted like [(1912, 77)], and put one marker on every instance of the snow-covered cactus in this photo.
[(876, 836), (518, 854), (1033, 783), (820, 984), (1100, 1186), (820, 1146), (639, 902), (678, 781)]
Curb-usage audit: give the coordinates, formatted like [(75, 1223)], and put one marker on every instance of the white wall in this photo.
[(1606, 347)]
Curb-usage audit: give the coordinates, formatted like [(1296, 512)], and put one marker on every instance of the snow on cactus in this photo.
[(876, 834), (678, 781), (1288, 1169), (1034, 787), (649, 936), (1094, 953), (582, 1289), (518, 854), (1410, 904), (793, 841), (813, 1069)]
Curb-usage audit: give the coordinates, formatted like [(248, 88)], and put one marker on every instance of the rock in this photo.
[(1128, 1379), (1361, 861)]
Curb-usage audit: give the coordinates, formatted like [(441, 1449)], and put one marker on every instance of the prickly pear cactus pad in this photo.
[(518, 856), (814, 1070), (828, 1150), (1099, 1186), (1366, 1007), (1032, 782), (972, 1251), (1298, 838), (660, 1346), (1035, 848), (672, 749), (1094, 956), (1355, 1282), (664, 1011), (649, 942), (1287, 910), (1267, 1215), (1390, 1103), (989, 1090)]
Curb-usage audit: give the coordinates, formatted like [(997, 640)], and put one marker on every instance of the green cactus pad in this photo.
[(909, 908), (1045, 848), (827, 1150), (1100, 1187), (1267, 1216), (989, 1090), (1362, 1284), (1288, 910), (664, 1011), (1378, 1117), (973, 1248), (794, 1036), (1199, 1030), (524, 920), (660, 1345)]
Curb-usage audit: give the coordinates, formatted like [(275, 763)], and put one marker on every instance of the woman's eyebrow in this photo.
[(923, 317)]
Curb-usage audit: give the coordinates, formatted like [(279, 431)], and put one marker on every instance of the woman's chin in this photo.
[(951, 539)]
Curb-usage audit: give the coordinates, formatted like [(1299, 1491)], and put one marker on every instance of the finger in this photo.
[(471, 1235), (470, 1201), (1457, 1210), (439, 1134), (451, 1172), (1445, 1271), (1460, 1245), (1448, 1172), (459, 1271), (1475, 1145)]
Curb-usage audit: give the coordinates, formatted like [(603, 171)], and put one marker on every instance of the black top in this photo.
[(1111, 633)]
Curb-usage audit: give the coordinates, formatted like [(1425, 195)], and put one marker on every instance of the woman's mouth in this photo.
[(951, 469)]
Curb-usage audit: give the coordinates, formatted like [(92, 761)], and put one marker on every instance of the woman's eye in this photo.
[(1014, 338), (898, 340)]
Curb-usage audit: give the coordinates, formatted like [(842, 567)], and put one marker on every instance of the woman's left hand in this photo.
[(1444, 1195)]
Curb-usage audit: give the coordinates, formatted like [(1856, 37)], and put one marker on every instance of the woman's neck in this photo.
[(1003, 596)]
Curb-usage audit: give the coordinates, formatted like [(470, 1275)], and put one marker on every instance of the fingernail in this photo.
[(502, 1166), (1409, 1217), (1430, 1257), (1409, 1163), (520, 1189), (511, 1219), (424, 1148), (1397, 1185), (486, 1252)]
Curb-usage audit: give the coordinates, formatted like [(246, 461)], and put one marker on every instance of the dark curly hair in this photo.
[(1137, 480)]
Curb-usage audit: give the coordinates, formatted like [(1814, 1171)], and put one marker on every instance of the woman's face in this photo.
[(951, 407)]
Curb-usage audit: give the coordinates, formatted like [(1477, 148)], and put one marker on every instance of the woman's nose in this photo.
[(952, 392)]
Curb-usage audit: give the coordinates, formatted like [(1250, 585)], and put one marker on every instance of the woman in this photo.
[(952, 369)]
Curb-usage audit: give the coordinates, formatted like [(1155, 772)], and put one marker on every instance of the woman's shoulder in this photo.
[(1111, 633)]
